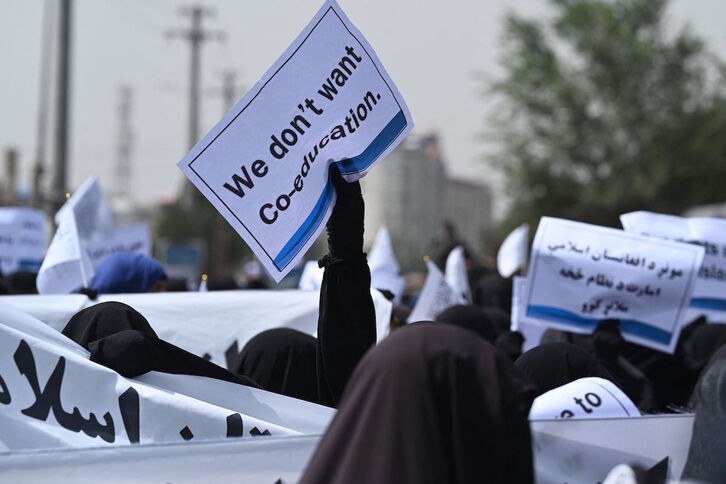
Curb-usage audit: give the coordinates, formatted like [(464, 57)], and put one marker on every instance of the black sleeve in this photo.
[(347, 321)]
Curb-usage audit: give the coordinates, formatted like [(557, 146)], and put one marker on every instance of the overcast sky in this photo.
[(431, 49)]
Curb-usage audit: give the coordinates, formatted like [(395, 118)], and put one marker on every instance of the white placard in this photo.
[(581, 274), (512, 255), (133, 238), (709, 292), (265, 166), (532, 332), (584, 398), (22, 239)]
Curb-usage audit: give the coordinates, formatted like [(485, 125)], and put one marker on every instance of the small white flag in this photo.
[(457, 276), (435, 297), (512, 254), (385, 270), (203, 284)]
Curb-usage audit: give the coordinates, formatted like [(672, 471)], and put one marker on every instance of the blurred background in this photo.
[(583, 109)]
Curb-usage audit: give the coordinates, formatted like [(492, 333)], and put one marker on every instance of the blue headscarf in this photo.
[(126, 272)]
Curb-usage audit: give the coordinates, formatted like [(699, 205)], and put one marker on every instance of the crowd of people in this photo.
[(443, 401)]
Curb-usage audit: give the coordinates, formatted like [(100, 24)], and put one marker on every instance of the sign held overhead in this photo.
[(265, 166)]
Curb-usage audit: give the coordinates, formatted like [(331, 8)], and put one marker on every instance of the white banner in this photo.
[(52, 396), (265, 165), (22, 239), (581, 274), (512, 254), (584, 398), (709, 292), (215, 325)]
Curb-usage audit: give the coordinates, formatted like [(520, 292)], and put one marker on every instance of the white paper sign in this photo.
[(52, 396), (134, 238), (91, 211), (265, 166), (584, 398), (709, 292), (581, 274), (532, 332), (436, 295), (512, 254), (22, 239)]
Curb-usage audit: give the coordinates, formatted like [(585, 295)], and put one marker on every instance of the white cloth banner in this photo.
[(52, 396), (709, 292), (215, 325), (456, 274), (133, 238), (22, 239), (265, 166), (581, 274), (512, 254), (436, 295), (385, 270), (584, 398)]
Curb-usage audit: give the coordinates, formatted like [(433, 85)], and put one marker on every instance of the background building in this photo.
[(411, 194)]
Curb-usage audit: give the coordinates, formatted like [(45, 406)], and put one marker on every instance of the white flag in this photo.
[(66, 266), (435, 296), (512, 254), (456, 274), (91, 211), (385, 270)]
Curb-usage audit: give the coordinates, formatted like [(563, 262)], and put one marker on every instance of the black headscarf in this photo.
[(487, 323), (120, 338), (493, 291), (429, 404), (281, 360), (22, 282), (552, 365)]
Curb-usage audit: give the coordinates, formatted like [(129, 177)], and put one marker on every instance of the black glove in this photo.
[(345, 226)]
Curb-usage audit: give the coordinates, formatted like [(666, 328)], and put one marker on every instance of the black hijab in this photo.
[(429, 404), (120, 338), (487, 323), (281, 360), (552, 365), (493, 291)]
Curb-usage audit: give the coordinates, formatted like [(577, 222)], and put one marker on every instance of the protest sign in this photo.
[(531, 332), (581, 274), (90, 211), (436, 295), (52, 396), (133, 238), (709, 291), (22, 239), (456, 274), (265, 166), (584, 398), (512, 254)]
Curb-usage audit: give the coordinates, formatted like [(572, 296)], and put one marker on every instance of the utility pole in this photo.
[(196, 36), (62, 119), (44, 90)]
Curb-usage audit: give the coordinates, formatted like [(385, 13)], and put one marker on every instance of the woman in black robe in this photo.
[(429, 404)]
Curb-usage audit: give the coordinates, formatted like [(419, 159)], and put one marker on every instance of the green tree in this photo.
[(602, 111)]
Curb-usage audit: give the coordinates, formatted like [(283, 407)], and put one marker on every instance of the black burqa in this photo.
[(552, 365), (346, 320), (487, 323), (281, 360), (429, 404), (706, 454), (120, 338)]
